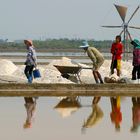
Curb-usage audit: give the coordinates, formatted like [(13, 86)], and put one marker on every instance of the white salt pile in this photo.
[(7, 67), (49, 75), (9, 72), (63, 62), (87, 76)]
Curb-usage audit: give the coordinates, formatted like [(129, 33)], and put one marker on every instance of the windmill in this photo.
[(122, 10)]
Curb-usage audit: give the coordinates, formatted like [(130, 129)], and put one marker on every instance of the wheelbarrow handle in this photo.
[(86, 68)]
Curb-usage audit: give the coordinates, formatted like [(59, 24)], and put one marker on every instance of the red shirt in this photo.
[(116, 115), (116, 51)]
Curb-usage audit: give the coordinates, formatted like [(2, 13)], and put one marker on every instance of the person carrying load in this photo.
[(31, 60), (116, 51), (96, 57)]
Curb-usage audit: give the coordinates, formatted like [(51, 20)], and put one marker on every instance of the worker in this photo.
[(97, 59), (31, 60), (116, 51), (136, 58)]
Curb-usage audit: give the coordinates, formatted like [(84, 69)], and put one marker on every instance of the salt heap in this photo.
[(87, 76), (9, 72), (7, 67), (51, 75), (63, 62)]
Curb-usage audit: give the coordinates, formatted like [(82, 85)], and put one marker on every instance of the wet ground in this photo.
[(77, 118)]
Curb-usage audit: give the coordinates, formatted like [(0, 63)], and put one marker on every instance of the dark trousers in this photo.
[(136, 71), (29, 71)]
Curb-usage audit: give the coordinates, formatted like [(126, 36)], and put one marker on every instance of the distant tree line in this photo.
[(56, 44)]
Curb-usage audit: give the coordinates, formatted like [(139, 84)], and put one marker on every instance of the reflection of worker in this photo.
[(67, 106), (135, 113), (116, 51), (116, 115), (97, 59), (95, 116), (30, 105)]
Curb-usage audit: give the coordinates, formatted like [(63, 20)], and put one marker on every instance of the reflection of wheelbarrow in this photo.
[(66, 70)]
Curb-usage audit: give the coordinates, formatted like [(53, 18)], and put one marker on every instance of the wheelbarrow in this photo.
[(75, 70)]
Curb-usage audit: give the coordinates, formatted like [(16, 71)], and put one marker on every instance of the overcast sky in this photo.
[(37, 19)]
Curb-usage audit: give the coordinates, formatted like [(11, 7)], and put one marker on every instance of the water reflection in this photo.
[(116, 114), (135, 114), (95, 116), (68, 117), (67, 106), (30, 106)]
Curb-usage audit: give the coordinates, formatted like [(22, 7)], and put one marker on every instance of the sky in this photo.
[(41, 19)]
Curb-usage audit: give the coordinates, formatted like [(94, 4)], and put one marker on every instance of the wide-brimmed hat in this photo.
[(28, 41), (136, 43), (84, 44)]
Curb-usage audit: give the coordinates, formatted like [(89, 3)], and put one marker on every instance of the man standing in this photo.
[(116, 51), (97, 59)]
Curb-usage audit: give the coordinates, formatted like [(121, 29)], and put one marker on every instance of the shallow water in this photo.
[(48, 54), (48, 123)]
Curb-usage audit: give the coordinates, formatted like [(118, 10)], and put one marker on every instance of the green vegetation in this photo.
[(56, 44)]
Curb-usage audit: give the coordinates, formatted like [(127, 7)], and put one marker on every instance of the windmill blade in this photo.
[(134, 27), (122, 11), (121, 32), (112, 26), (133, 14)]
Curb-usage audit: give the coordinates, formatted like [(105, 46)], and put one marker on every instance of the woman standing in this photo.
[(136, 59), (31, 60)]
